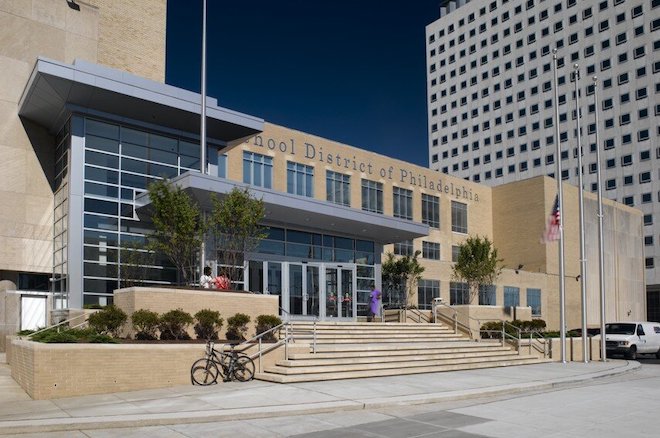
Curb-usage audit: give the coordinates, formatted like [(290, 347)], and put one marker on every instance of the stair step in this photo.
[(420, 346), (357, 353), (311, 360), (280, 378), (385, 365)]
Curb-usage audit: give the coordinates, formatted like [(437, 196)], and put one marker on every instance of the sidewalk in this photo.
[(234, 401)]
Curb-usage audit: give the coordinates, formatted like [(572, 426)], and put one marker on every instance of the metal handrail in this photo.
[(419, 315), (455, 320), (66, 321), (542, 340)]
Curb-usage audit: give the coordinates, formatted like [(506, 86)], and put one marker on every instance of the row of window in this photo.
[(459, 293), (258, 171)]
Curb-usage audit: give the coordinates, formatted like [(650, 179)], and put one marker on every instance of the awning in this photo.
[(54, 90), (294, 211)]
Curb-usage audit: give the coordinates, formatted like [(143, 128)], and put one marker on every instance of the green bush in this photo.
[(174, 324), (525, 327), (265, 323), (145, 323), (108, 321), (208, 324), (63, 337), (237, 327), (25, 332), (101, 339), (92, 306)]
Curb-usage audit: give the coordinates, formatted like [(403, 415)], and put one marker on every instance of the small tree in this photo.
[(477, 265), (134, 259), (402, 273), (235, 221), (108, 321), (178, 228)]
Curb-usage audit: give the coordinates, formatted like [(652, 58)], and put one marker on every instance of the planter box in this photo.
[(163, 300), (47, 371)]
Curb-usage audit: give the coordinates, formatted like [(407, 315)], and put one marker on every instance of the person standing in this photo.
[(374, 305)]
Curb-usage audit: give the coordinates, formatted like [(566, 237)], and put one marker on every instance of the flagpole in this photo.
[(583, 260), (601, 255), (202, 128), (562, 212)]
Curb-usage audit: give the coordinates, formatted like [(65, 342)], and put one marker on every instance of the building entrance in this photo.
[(323, 291)]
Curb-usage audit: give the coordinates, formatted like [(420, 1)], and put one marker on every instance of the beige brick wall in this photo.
[(125, 34), (163, 300), (47, 371)]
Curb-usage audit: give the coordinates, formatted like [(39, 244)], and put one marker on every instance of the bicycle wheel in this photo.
[(243, 369), (204, 372)]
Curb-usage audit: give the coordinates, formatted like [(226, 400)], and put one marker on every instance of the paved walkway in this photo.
[(234, 401)]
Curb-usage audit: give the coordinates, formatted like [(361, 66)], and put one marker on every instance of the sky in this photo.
[(353, 71)]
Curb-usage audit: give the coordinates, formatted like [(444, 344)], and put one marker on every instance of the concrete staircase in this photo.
[(346, 350)]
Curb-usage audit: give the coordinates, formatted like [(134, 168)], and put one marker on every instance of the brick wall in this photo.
[(162, 300)]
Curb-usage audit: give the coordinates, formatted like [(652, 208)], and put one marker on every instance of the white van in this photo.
[(632, 338)]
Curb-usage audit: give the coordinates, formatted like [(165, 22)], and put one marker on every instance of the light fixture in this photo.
[(520, 266), (578, 277), (73, 5)]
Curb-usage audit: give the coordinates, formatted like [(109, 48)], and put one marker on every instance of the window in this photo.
[(426, 291), (626, 160), (534, 301), (372, 196), (402, 203), (459, 217), (621, 38), (610, 184), (487, 295), (431, 210), (338, 188), (455, 251), (648, 262), (459, 293), (431, 250), (404, 248), (644, 177), (299, 179), (511, 296), (257, 170)]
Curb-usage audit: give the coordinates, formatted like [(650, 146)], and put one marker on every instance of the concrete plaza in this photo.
[(224, 407)]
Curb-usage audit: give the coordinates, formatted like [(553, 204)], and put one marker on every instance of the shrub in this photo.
[(174, 324), (101, 339), (108, 321), (265, 323), (145, 323), (63, 337), (208, 324), (237, 327), (25, 332)]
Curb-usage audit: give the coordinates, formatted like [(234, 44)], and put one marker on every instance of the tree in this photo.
[(402, 273), (477, 264), (134, 259), (178, 228), (236, 224)]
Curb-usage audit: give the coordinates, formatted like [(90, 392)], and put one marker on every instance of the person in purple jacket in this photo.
[(374, 305)]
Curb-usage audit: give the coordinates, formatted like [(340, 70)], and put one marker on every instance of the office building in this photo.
[(491, 104)]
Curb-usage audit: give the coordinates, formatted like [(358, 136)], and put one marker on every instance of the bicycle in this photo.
[(234, 365)]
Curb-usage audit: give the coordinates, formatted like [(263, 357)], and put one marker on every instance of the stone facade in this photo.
[(124, 34)]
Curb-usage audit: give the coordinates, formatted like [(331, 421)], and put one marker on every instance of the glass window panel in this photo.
[(101, 190), (101, 222), (101, 129), (100, 254), (134, 136), (101, 175), (99, 206), (100, 270), (100, 159), (100, 238)]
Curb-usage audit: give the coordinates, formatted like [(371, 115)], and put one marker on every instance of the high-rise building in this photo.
[(491, 104)]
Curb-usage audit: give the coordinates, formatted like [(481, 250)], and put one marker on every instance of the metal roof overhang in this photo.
[(55, 89), (293, 211)]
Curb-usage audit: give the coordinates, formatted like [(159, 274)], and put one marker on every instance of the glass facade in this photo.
[(120, 162), (60, 217), (459, 293)]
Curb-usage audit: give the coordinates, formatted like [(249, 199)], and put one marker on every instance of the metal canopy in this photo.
[(55, 89), (294, 211)]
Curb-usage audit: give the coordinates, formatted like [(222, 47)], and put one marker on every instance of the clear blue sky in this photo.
[(348, 70)]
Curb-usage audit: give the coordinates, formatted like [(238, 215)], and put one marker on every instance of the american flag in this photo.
[(552, 229)]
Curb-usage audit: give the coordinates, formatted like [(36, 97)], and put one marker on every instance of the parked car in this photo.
[(632, 338)]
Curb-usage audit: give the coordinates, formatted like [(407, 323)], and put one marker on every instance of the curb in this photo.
[(143, 420)]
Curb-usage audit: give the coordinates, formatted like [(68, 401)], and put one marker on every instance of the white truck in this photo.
[(632, 338)]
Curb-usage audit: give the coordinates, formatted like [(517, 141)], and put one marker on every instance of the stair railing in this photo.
[(63, 324), (420, 316), (535, 335), (453, 319), (261, 349)]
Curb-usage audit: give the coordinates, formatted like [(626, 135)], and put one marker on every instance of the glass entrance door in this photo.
[(310, 290), (339, 291)]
